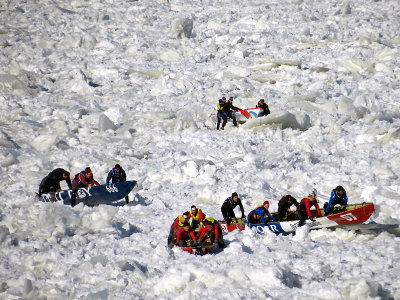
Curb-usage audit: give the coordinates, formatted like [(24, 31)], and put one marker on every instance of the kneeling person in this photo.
[(211, 232), (260, 215), (117, 174), (81, 180), (183, 235), (51, 183), (178, 223)]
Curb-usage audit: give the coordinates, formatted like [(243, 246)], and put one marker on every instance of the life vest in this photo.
[(78, 179), (254, 213), (180, 223), (306, 204), (198, 216), (212, 220), (117, 175)]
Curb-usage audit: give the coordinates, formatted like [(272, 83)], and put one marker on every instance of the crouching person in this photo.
[(260, 214), (183, 235), (211, 233), (178, 223)]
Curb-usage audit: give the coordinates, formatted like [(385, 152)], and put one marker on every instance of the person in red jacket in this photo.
[(303, 209), (183, 234), (197, 216), (179, 221), (210, 233), (82, 179)]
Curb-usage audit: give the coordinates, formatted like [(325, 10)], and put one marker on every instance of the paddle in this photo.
[(246, 114)]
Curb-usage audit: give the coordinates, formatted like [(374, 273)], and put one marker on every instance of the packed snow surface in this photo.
[(95, 83)]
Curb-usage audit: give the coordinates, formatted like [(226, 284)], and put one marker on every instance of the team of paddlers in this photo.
[(227, 110), (193, 228), (51, 183)]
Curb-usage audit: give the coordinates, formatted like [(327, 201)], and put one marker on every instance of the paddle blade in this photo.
[(246, 114)]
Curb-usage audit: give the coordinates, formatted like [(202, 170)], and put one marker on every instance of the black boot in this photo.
[(127, 199)]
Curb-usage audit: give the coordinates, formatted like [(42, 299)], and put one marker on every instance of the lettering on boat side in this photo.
[(349, 217), (224, 227), (111, 188)]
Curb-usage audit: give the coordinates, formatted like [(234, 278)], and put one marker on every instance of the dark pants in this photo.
[(75, 188), (232, 116), (126, 197), (302, 216), (221, 115), (47, 186), (196, 226), (252, 220), (282, 214), (227, 212)]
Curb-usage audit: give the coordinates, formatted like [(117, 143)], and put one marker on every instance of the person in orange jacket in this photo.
[(197, 216), (303, 209)]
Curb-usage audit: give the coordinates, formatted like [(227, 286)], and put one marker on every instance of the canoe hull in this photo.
[(349, 215)]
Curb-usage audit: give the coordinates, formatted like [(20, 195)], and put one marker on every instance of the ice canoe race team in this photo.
[(193, 228)]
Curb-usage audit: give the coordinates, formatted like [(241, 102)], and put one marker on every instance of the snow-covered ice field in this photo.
[(95, 83)]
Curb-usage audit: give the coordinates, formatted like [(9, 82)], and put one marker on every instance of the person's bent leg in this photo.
[(234, 120)]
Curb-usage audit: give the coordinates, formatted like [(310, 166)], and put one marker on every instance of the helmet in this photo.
[(266, 202), (230, 98), (88, 170), (223, 98)]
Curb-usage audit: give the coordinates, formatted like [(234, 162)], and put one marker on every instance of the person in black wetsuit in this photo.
[(264, 108), (51, 183), (229, 110), (228, 206), (284, 204)]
